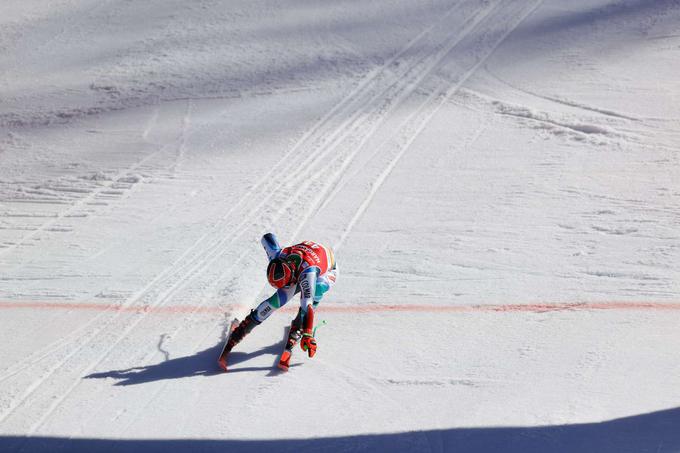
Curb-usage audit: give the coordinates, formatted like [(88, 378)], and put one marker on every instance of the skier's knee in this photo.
[(263, 311), (253, 315), (268, 306)]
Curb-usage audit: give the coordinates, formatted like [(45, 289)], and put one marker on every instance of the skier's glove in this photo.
[(308, 344)]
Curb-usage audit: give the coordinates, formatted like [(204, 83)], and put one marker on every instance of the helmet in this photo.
[(279, 273)]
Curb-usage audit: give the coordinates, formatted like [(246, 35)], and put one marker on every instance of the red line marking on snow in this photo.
[(532, 308), (354, 308)]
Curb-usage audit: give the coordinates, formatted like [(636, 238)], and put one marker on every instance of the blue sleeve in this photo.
[(271, 245)]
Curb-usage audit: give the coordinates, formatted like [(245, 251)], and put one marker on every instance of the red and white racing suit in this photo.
[(314, 274)]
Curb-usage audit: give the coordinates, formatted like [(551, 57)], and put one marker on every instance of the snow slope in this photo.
[(500, 181)]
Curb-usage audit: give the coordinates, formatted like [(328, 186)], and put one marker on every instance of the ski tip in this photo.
[(285, 360), (222, 364)]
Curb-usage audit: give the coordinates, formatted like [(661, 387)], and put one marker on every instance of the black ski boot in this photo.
[(294, 336), (295, 332), (236, 336), (243, 329)]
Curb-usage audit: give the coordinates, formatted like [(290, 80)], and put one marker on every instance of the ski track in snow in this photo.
[(412, 128), (208, 262), (349, 155), (210, 252), (363, 126)]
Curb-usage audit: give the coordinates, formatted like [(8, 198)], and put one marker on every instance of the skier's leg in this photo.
[(295, 332), (243, 329), (259, 314), (276, 301)]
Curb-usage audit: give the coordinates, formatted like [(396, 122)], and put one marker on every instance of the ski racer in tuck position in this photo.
[(307, 268)]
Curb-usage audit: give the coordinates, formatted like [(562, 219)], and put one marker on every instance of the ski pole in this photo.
[(323, 323)]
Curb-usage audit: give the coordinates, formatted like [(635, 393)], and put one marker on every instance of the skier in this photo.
[(308, 268)]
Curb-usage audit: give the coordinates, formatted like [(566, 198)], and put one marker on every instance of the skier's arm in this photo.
[(308, 342), (271, 245), (307, 285)]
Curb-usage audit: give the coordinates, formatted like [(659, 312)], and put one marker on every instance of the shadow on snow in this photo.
[(231, 81), (203, 363), (654, 432)]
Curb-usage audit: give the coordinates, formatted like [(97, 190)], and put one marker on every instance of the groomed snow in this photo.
[(500, 181)]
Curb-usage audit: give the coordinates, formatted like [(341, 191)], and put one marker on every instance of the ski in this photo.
[(222, 359), (293, 339), (284, 360)]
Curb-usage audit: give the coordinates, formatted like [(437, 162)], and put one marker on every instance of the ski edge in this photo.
[(284, 361), (222, 359)]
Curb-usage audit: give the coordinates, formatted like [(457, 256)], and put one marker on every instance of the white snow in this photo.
[(500, 181)]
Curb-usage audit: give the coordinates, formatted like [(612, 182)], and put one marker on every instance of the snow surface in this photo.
[(500, 180)]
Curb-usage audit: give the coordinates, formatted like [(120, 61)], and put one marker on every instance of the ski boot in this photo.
[(294, 336), (243, 329)]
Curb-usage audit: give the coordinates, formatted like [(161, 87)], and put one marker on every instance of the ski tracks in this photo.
[(317, 145), (315, 164), (87, 193), (455, 74)]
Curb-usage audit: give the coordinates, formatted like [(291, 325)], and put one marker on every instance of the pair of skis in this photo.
[(284, 359)]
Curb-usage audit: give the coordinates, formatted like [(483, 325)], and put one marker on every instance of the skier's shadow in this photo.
[(237, 357), (203, 363)]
